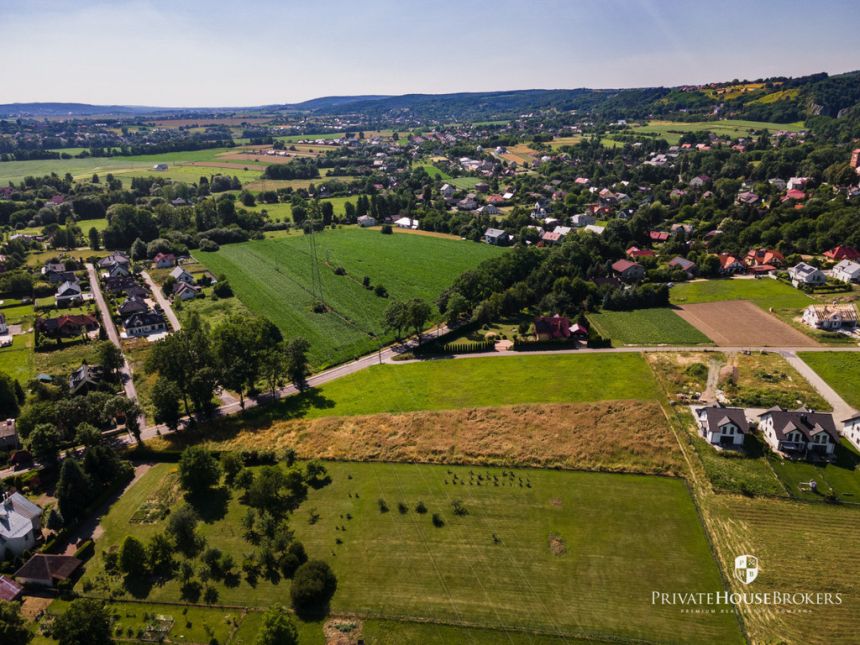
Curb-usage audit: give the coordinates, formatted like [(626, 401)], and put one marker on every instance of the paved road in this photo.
[(162, 301), (107, 320)]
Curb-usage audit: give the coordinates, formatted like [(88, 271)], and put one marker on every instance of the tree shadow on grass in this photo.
[(138, 586), (211, 506)]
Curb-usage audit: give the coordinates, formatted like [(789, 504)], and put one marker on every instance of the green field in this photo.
[(765, 293), (273, 278), (647, 327), (432, 170), (569, 558), (841, 370), (480, 382), (673, 130), (17, 359), (284, 211)]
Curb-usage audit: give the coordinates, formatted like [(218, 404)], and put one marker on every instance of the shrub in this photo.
[(420, 508), (313, 586), (402, 508), (386, 229), (208, 245), (223, 289), (380, 291), (459, 509), (438, 522), (383, 507)]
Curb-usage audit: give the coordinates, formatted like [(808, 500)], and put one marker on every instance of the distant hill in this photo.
[(779, 99)]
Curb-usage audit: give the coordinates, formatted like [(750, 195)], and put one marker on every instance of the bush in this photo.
[(438, 522), (380, 291), (206, 244), (223, 289), (383, 507), (313, 586), (458, 508), (386, 229), (420, 508)]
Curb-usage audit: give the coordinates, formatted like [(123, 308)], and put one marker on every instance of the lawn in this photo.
[(273, 278), (284, 211), (765, 293), (840, 478), (60, 361), (841, 370), (559, 536), (481, 382), (433, 171), (647, 327), (17, 359)]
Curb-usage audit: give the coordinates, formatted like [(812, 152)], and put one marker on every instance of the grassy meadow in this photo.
[(273, 278), (765, 293), (672, 131), (528, 543), (656, 326), (841, 370)]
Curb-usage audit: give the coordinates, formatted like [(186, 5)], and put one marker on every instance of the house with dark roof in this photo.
[(69, 294), (20, 524), (46, 569), (146, 323), (799, 433), (725, 427), (85, 378), (132, 305), (495, 236), (113, 259), (120, 284), (181, 275), (9, 589), (185, 291), (687, 266)]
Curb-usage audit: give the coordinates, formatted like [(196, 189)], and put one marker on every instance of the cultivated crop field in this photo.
[(655, 326), (841, 370), (273, 278), (761, 527), (739, 323)]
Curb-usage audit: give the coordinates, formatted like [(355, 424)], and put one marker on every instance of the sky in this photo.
[(193, 53)]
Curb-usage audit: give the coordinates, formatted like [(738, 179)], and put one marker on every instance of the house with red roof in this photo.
[(794, 194), (730, 264), (758, 259), (634, 253), (839, 252), (628, 271), (658, 236), (552, 327)]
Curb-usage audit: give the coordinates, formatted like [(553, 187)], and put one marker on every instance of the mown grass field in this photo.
[(17, 359), (432, 170), (657, 326), (764, 293), (841, 370), (569, 557), (764, 528), (672, 131), (273, 278), (284, 211)]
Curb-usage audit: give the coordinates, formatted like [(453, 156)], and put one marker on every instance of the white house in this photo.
[(118, 270), (20, 524), (164, 260), (830, 317), (366, 220), (4, 328), (851, 430), (723, 426), (447, 191), (69, 294), (181, 275), (846, 271), (185, 291), (797, 183), (144, 324), (803, 273), (495, 236), (406, 222), (799, 433), (582, 219)]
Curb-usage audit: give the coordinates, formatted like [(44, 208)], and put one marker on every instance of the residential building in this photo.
[(729, 264), (20, 524), (185, 291), (634, 253), (146, 323), (4, 327), (552, 327), (764, 259), (181, 275), (724, 427), (840, 252), (582, 219), (851, 430), (628, 271), (8, 435), (846, 271), (70, 326), (806, 274), (164, 260), (10, 590), (799, 433), (406, 222), (114, 258), (69, 294), (46, 570), (687, 266), (85, 378), (830, 317), (133, 305), (495, 236), (366, 220)]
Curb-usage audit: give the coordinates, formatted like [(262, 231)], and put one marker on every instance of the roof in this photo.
[(636, 252), (717, 417), (16, 516), (178, 271), (682, 263), (556, 326), (44, 566), (658, 236), (66, 286), (842, 253), (623, 265), (9, 589), (494, 232), (848, 266), (143, 318), (846, 311), (808, 423)]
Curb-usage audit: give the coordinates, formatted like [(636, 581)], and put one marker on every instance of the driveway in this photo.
[(841, 409), (163, 302)]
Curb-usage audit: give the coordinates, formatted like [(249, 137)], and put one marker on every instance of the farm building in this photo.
[(724, 427), (799, 433), (406, 222), (20, 524), (830, 317), (366, 220)]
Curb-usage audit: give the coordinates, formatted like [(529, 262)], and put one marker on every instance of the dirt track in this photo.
[(735, 323)]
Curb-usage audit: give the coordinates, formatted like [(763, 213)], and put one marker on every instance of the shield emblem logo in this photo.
[(746, 568)]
